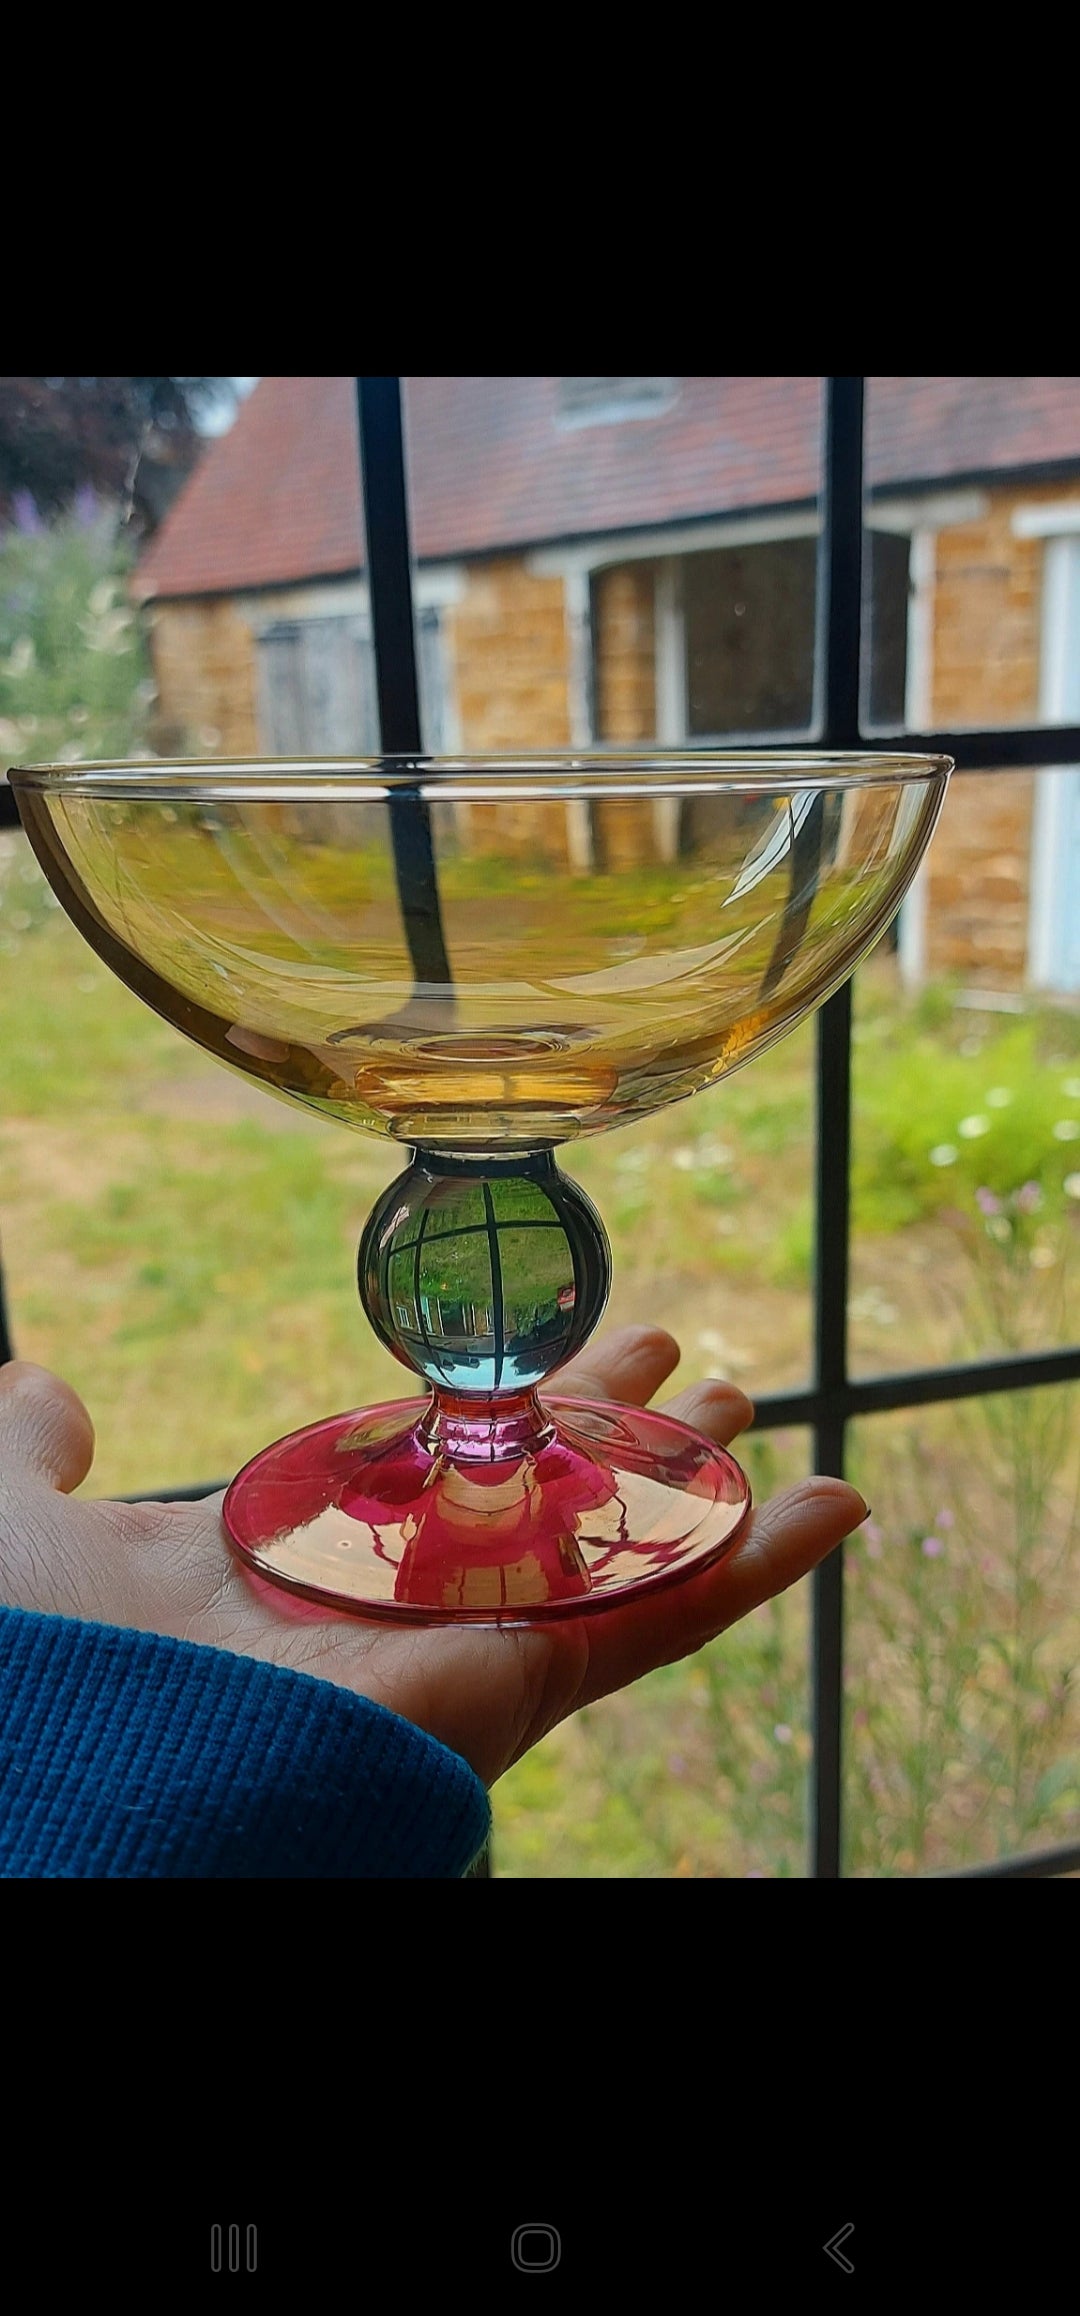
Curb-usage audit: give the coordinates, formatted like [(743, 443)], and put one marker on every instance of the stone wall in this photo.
[(987, 589), (985, 670), (508, 662), (979, 881), (508, 650), (204, 666), (624, 652)]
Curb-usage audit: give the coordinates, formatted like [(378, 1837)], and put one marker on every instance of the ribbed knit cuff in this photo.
[(126, 1755)]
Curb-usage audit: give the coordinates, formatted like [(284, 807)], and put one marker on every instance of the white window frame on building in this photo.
[(1054, 924)]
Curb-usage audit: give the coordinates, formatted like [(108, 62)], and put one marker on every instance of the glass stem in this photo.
[(492, 1430)]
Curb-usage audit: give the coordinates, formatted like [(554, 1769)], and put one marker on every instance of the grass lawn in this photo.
[(182, 1248)]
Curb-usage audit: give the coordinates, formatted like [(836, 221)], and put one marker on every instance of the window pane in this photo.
[(617, 559), (598, 580), (889, 554), (255, 593), (176, 1243), (700, 1770), (966, 1130), (963, 1608), (708, 1209), (976, 481), (750, 638)]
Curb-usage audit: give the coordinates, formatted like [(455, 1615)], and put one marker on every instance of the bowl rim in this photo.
[(473, 777)]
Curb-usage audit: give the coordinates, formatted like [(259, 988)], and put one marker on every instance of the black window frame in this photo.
[(832, 1399)]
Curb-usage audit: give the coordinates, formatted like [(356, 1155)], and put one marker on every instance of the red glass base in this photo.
[(427, 1513)]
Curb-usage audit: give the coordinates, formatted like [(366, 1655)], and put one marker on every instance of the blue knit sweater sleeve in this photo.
[(124, 1755)]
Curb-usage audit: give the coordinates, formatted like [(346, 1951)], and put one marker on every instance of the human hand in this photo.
[(489, 1694)]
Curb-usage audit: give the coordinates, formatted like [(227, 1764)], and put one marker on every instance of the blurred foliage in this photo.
[(132, 441), (75, 677)]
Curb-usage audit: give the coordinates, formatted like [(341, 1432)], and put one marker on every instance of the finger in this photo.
[(44, 1427), (784, 1541), (720, 1410), (628, 1364)]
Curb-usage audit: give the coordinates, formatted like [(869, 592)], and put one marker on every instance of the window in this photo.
[(887, 601), (891, 1409), (749, 638), (606, 401)]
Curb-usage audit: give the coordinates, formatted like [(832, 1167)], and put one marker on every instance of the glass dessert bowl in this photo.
[(483, 960)]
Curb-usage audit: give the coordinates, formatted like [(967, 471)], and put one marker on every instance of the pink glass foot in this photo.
[(420, 1513)]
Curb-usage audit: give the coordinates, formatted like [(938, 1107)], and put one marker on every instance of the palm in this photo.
[(489, 1694)]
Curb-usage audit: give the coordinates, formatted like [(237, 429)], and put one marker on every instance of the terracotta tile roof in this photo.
[(277, 499)]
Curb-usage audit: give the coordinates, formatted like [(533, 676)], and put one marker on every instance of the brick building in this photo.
[(633, 560)]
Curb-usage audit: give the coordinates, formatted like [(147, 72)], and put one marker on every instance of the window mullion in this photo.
[(838, 668)]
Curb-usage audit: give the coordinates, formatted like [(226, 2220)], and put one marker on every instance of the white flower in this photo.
[(971, 1128), (999, 1097), (705, 1153), (714, 1154), (872, 1305), (1042, 1257), (1067, 1130), (1071, 1086), (1071, 1186), (944, 1155)]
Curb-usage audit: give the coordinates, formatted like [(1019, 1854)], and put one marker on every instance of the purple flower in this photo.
[(932, 1547), (26, 516), (1028, 1198), (987, 1203), (946, 1519), (87, 506)]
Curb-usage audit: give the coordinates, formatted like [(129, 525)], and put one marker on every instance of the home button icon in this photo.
[(536, 2248)]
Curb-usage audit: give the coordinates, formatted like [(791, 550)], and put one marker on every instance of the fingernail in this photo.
[(866, 1511)]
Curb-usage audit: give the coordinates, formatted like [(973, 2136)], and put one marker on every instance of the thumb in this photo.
[(44, 1427)]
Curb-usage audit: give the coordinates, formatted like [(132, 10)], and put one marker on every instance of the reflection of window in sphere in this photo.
[(488, 1281)]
